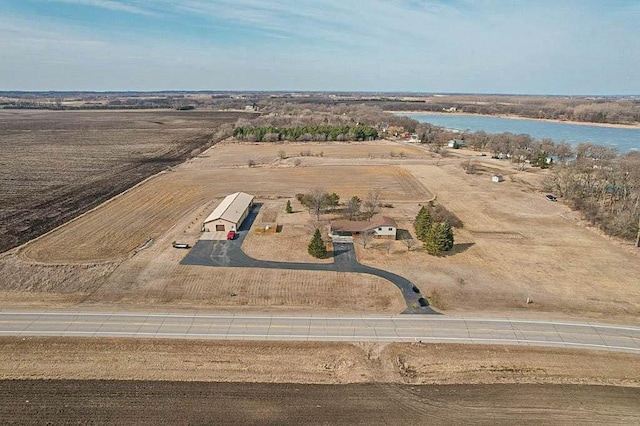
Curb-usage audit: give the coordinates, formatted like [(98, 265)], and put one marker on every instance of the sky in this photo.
[(561, 47)]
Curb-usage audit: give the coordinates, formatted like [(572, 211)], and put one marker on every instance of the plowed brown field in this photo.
[(157, 381), (57, 164)]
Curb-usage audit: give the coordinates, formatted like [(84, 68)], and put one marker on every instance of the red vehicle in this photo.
[(231, 235)]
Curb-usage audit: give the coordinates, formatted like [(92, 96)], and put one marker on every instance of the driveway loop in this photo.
[(228, 253)]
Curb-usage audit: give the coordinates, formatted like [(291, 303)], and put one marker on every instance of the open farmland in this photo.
[(148, 211), (58, 164), (155, 381), (101, 250), (514, 244)]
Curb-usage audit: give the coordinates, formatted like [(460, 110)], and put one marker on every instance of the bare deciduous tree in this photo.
[(372, 203), (410, 243), (366, 237), (318, 201), (353, 207)]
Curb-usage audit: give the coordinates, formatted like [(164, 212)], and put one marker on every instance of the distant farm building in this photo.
[(380, 226), (229, 214), (455, 143), (497, 178)]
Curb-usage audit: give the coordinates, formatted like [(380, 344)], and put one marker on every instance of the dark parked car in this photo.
[(423, 302), (551, 198)]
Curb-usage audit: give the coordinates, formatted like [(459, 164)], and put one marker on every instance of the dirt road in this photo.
[(128, 402)]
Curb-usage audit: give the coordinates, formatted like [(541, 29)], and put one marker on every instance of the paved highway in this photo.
[(406, 328)]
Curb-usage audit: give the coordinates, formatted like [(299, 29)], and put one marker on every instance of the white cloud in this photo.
[(110, 5)]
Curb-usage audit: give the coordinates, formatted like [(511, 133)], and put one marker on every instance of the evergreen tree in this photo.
[(439, 238), (423, 223), (289, 209), (317, 247)]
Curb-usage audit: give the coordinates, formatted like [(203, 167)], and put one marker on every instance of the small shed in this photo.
[(497, 178)]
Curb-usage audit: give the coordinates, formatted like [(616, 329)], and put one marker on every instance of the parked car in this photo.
[(551, 198), (231, 235)]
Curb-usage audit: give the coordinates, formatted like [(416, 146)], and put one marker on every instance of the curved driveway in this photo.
[(230, 254)]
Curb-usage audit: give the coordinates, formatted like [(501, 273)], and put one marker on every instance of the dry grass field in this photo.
[(57, 164), (315, 362), (101, 251), (147, 212), (237, 154), (514, 245)]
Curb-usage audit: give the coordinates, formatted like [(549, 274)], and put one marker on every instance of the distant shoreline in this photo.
[(517, 117)]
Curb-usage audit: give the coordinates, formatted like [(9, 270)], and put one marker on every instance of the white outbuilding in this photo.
[(229, 214)]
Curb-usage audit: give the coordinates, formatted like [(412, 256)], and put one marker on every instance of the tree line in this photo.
[(604, 186), (590, 110), (305, 133)]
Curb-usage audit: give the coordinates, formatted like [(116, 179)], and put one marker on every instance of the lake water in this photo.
[(624, 140)]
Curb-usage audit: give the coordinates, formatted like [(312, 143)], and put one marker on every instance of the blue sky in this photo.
[(470, 46)]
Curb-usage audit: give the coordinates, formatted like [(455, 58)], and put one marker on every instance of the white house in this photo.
[(229, 214)]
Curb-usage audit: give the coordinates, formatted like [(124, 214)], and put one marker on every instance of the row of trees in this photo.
[(305, 133), (319, 201), (437, 236), (620, 111)]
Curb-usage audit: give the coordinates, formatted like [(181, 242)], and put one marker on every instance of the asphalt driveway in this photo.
[(229, 254)]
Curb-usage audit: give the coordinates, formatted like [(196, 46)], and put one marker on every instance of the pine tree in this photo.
[(446, 235), (439, 238), (289, 209), (317, 247), (423, 223)]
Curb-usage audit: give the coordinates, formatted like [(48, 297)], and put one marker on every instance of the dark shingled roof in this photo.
[(360, 226)]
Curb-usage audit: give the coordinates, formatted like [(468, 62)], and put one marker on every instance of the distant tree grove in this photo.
[(305, 133)]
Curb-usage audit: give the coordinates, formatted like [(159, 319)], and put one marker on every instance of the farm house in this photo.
[(380, 226), (229, 214)]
